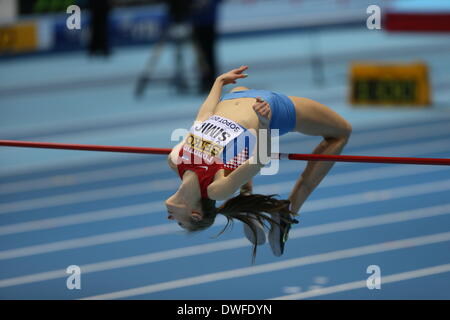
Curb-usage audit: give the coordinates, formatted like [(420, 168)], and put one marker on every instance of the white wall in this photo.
[(253, 15), (8, 10)]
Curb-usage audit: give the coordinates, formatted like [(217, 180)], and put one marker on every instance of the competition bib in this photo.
[(215, 140)]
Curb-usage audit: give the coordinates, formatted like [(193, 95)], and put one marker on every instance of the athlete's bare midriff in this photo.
[(239, 110)]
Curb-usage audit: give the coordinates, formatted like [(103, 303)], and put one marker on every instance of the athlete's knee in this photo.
[(347, 129), (342, 133)]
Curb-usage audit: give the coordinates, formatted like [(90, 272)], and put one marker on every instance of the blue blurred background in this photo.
[(104, 212)]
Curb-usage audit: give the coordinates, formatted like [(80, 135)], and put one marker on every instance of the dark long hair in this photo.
[(261, 207)]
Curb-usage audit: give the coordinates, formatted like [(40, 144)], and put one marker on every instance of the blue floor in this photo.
[(104, 212)]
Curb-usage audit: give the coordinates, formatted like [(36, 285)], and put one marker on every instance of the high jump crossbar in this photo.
[(290, 156)]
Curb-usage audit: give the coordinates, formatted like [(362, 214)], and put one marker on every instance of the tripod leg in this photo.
[(179, 75), (145, 77)]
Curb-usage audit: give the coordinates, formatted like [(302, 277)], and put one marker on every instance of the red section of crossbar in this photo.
[(367, 159), (84, 147), (417, 22), (290, 156)]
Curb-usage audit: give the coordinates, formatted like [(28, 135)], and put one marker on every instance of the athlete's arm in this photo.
[(173, 155), (208, 106), (247, 188), (223, 188)]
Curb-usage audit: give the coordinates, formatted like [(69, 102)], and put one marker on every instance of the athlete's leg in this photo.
[(315, 119), (255, 231)]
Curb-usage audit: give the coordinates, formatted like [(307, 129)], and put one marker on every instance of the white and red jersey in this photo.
[(214, 144)]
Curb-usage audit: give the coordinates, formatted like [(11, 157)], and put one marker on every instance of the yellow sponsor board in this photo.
[(18, 38), (389, 84)]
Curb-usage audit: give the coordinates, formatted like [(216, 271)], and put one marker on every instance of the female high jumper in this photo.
[(214, 163)]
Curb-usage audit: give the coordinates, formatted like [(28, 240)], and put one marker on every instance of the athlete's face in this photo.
[(183, 213)]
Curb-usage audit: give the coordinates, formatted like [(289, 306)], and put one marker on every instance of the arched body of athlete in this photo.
[(193, 204)]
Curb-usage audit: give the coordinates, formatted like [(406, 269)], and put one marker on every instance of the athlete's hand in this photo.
[(262, 110), (233, 75)]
